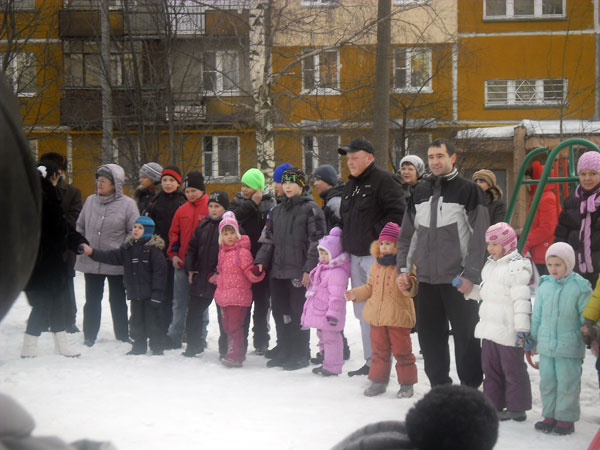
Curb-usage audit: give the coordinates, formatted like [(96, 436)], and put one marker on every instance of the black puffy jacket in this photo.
[(144, 265), (202, 256), (289, 245), (369, 201), (161, 209), (569, 225), (332, 200), (252, 217)]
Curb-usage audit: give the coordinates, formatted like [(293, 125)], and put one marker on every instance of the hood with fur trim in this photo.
[(374, 249), (154, 241)]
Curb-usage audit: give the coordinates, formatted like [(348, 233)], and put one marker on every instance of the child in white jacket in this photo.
[(504, 323)]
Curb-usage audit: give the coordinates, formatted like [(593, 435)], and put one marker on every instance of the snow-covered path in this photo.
[(177, 403)]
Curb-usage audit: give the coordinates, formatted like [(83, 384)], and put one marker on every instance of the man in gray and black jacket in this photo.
[(443, 235)]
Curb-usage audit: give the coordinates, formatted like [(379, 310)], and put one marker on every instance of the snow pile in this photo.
[(172, 402), (533, 128)]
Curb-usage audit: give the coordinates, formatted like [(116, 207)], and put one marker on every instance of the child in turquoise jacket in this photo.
[(556, 329)]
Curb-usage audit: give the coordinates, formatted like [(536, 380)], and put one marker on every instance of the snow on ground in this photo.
[(172, 402)]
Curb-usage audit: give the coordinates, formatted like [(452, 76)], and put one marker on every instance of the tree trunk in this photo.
[(381, 117), (107, 110), (262, 85)]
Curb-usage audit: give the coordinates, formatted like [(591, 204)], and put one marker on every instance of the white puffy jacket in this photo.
[(506, 303)]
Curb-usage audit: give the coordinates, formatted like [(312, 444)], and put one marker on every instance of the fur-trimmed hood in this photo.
[(374, 249), (154, 241)]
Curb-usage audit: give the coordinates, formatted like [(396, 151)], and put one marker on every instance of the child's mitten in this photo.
[(332, 321), (524, 340), (588, 332)]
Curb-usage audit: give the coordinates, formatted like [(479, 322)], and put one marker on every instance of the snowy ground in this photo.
[(172, 402)]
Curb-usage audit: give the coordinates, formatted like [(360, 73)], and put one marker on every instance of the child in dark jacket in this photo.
[(201, 263), (145, 281), (235, 275), (289, 250)]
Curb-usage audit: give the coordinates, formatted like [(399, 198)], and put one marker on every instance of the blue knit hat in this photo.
[(148, 225), (279, 171)]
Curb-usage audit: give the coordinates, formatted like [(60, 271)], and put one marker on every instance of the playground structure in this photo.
[(567, 178)]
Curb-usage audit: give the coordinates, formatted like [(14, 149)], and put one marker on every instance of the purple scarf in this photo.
[(588, 204)]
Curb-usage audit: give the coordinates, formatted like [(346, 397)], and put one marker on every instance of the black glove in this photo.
[(588, 332)]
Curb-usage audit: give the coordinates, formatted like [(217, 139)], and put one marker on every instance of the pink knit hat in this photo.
[(332, 243), (390, 232), (229, 219), (589, 161), (503, 234), (565, 252)]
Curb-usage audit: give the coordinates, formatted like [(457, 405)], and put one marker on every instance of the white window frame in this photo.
[(426, 88), (512, 100), (410, 150), (14, 72), (215, 160), (220, 75), (320, 3), (537, 12), (316, 89), (315, 152)]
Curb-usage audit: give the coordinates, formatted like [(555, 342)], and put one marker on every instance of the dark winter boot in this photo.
[(364, 370), (270, 354), (318, 359), (406, 391), (518, 416), (546, 425), (192, 350), (138, 348), (323, 372), (563, 428)]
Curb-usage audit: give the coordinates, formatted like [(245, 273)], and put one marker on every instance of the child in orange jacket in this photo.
[(391, 313)]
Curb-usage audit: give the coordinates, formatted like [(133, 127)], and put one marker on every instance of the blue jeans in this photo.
[(181, 295)]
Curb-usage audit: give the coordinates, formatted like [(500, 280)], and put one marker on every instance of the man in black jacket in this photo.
[(71, 204), (371, 198)]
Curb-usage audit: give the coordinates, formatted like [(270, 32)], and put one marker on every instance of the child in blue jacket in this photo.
[(556, 329)]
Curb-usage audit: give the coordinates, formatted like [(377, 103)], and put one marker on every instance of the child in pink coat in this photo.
[(235, 275), (325, 307)]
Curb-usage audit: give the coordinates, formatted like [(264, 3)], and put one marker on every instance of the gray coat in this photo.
[(106, 222)]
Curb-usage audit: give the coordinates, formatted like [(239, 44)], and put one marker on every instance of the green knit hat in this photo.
[(254, 179)]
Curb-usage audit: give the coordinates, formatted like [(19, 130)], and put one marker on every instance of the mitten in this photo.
[(255, 271), (588, 332), (524, 340), (332, 321)]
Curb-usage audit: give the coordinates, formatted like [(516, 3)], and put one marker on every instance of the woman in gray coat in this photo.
[(106, 219)]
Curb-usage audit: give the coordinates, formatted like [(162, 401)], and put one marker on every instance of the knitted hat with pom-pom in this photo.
[(390, 232), (332, 243)]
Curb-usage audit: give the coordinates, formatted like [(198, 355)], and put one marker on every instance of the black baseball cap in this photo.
[(356, 145)]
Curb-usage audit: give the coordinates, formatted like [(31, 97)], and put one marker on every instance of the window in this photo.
[(414, 144), (83, 65), (515, 9), (526, 92), (321, 3), (221, 73), (321, 149), (221, 157), (16, 4), (21, 71), (412, 69), (320, 73), (187, 17)]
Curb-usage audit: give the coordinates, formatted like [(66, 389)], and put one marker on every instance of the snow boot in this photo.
[(364, 370), (375, 389), (138, 348), (518, 416), (318, 359), (563, 428), (192, 350), (295, 363), (323, 372), (228, 362), (61, 346), (546, 425), (270, 354), (406, 391), (29, 346)]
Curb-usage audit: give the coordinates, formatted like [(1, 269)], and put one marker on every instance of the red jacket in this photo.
[(184, 223), (235, 278), (541, 235)]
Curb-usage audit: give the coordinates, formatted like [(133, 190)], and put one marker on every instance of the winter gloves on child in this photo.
[(524, 340)]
